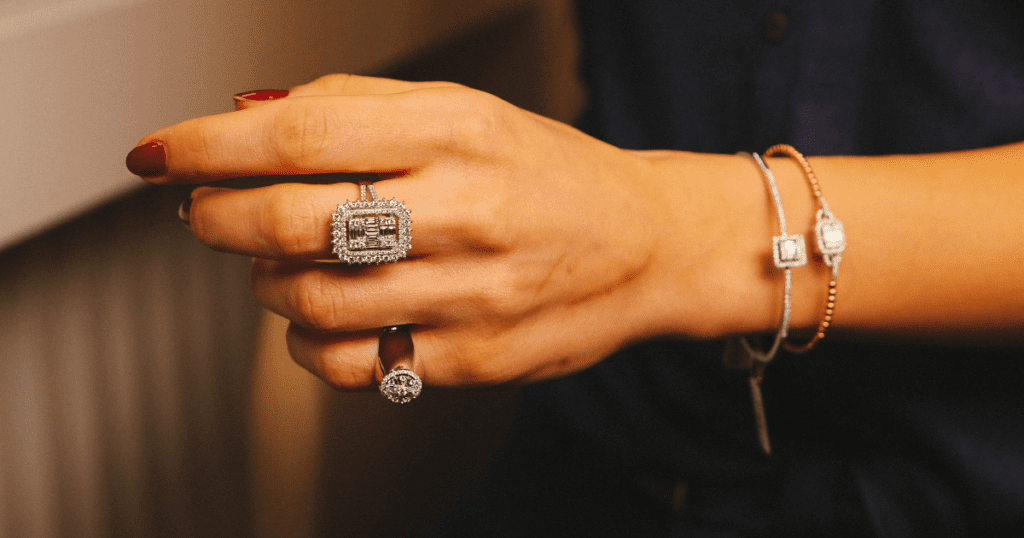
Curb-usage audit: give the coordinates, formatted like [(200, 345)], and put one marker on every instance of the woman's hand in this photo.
[(536, 250)]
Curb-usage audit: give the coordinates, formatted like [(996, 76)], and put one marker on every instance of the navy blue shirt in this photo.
[(869, 440)]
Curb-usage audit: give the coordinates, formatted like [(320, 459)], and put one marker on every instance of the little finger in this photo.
[(345, 361), (350, 361)]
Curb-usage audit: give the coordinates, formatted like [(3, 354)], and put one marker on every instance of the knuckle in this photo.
[(331, 82), (445, 84), (316, 303), (342, 371), (290, 224), (300, 134), (480, 124), (484, 223), (335, 366), (497, 296), (507, 297)]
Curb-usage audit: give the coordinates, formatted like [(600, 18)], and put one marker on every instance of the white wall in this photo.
[(81, 81)]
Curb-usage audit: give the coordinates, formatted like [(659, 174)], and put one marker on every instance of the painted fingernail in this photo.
[(261, 95), (147, 160), (183, 211)]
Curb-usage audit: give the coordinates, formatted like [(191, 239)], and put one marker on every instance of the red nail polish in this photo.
[(147, 160), (262, 95)]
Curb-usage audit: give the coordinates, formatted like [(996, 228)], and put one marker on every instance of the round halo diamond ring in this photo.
[(401, 385), (371, 231)]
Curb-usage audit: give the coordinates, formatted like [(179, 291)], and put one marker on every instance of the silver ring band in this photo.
[(400, 384)]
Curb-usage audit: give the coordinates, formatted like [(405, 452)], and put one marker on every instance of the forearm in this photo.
[(933, 243)]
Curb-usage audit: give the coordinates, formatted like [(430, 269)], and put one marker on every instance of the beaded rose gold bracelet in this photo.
[(831, 243)]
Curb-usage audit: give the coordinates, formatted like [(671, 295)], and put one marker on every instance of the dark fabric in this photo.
[(869, 440), (847, 77)]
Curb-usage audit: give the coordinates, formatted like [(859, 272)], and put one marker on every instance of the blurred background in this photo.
[(142, 390)]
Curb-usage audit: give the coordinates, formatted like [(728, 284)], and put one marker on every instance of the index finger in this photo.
[(307, 135)]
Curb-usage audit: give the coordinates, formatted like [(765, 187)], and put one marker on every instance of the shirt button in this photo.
[(775, 26)]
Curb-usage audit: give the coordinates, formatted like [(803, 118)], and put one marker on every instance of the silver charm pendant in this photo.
[(831, 238), (789, 251), (371, 231)]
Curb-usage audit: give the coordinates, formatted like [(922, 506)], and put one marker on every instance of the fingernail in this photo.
[(261, 95), (147, 160), (183, 211)]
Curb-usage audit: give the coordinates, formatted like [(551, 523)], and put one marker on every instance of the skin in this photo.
[(538, 250)]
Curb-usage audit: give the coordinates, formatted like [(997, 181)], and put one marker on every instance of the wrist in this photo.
[(715, 269)]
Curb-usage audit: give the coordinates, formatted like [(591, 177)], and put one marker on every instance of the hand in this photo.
[(534, 249)]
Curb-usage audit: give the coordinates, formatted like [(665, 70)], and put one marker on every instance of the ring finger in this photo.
[(340, 298)]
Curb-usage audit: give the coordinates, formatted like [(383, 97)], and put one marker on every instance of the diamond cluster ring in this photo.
[(371, 231)]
